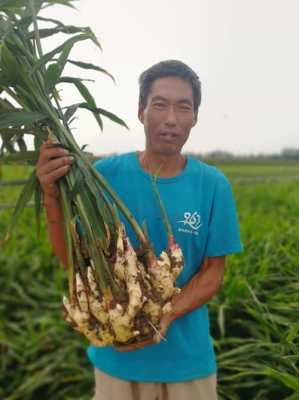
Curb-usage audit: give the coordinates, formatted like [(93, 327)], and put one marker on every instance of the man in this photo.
[(201, 210)]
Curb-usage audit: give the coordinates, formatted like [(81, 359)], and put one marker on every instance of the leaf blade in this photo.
[(20, 118), (85, 93), (22, 201), (54, 71), (38, 208), (49, 56), (112, 117), (67, 29), (20, 157), (84, 65)]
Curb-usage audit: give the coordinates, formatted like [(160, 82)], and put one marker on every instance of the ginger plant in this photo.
[(115, 296)]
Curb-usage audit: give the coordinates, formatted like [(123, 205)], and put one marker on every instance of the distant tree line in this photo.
[(289, 153)]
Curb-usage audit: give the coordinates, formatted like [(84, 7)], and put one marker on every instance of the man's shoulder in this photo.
[(115, 163), (210, 173)]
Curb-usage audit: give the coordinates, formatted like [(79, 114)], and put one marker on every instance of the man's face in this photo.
[(168, 116)]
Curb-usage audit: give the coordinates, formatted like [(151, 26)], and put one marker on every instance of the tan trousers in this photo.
[(109, 388)]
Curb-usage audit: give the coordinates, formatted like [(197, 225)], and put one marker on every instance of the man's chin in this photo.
[(168, 150)]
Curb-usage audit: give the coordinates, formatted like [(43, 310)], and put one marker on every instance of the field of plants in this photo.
[(254, 319)]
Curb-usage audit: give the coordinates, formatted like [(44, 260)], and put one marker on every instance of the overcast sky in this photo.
[(245, 53)]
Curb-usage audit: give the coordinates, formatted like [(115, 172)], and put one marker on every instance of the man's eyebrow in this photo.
[(185, 100), (159, 98), (182, 100)]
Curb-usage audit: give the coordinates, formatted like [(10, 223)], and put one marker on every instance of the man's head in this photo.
[(169, 68), (168, 106)]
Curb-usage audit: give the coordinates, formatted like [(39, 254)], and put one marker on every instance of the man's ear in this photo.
[(141, 114), (195, 120)]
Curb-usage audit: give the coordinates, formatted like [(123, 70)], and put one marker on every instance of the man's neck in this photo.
[(163, 166)]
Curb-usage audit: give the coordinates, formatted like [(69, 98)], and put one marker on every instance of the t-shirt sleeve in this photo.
[(223, 229), (99, 165), (106, 166)]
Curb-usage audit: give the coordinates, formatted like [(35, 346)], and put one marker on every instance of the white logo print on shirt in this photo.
[(192, 221)]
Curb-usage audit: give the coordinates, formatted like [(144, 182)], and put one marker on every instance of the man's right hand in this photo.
[(53, 163)]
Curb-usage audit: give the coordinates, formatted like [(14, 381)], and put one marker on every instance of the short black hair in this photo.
[(165, 69)]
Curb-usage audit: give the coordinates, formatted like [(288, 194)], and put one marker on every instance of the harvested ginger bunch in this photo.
[(149, 285)]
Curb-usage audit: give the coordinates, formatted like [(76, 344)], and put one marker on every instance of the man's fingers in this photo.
[(159, 336), (133, 346), (55, 164), (47, 152), (52, 170), (126, 348), (163, 328), (52, 177)]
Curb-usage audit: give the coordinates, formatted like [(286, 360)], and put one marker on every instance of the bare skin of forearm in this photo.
[(56, 228), (201, 288)]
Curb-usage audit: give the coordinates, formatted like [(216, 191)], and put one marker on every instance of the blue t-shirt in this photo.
[(201, 210)]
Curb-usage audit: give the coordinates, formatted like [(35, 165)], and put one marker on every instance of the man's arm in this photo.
[(198, 291), (201, 288), (55, 222), (53, 163)]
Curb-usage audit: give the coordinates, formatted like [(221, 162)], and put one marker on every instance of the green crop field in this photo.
[(254, 319)]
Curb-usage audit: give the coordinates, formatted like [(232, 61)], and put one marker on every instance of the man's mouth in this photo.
[(168, 136)]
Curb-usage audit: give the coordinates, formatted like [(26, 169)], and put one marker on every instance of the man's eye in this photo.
[(159, 105), (185, 107)]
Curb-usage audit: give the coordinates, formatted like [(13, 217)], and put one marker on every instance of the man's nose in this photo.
[(171, 117)]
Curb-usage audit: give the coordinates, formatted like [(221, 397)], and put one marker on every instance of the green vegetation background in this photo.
[(254, 320)]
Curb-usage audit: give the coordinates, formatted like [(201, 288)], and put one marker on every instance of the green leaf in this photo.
[(163, 211), (91, 66), (81, 88), (9, 133), (49, 56), (38, 207), (66, 3), (9, 66), (23, 199), (54, 71), (26, 20), (20, 157), (67, 29), (21, 143), (40, 138), (10, 4), (5, 27), (19, 118), (293, 332), (70, 111), (93, 38), (112, 116), (86, 96), (51, 76), (67, 216), (78, 184), (287, 379), (8, 146), (54, 21), (106, 113), (5, 106), (37, 3), (5, 80)]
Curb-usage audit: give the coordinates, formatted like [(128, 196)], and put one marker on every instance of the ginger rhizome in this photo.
[(148, 282)]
